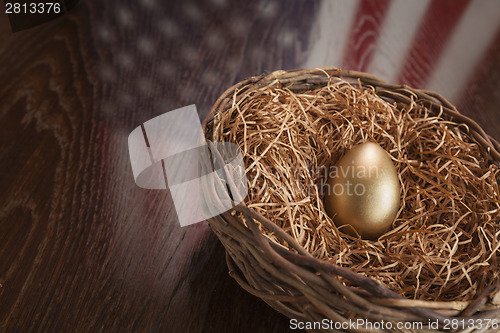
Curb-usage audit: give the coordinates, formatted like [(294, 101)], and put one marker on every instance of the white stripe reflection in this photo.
[(331, 33), (466, 47), (396, 37)]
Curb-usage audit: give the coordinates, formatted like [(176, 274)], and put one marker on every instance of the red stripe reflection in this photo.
[(436, 28), (364, 34)]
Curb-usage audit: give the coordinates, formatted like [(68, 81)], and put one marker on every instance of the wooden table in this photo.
[(82, 248)]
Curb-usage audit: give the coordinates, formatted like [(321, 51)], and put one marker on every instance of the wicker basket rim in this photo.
[(381, 300)]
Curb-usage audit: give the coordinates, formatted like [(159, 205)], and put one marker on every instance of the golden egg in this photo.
[(363, 191)]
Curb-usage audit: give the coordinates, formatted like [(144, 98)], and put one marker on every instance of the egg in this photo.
[(363, 191)]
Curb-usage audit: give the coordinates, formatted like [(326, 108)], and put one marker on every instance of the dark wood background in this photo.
[(82, 248)]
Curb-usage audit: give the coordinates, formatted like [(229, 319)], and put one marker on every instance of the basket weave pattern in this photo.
[(306, 288)]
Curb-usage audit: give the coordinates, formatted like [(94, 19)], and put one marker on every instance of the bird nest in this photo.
[(440, 258)]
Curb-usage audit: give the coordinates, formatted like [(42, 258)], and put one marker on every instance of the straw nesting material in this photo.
[(445, 241)]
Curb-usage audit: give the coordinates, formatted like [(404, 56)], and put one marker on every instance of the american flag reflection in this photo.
[(431, 44)]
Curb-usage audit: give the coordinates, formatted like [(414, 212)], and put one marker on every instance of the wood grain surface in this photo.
[(82, 248)]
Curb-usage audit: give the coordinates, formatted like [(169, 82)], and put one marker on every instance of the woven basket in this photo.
[(308, 289)]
